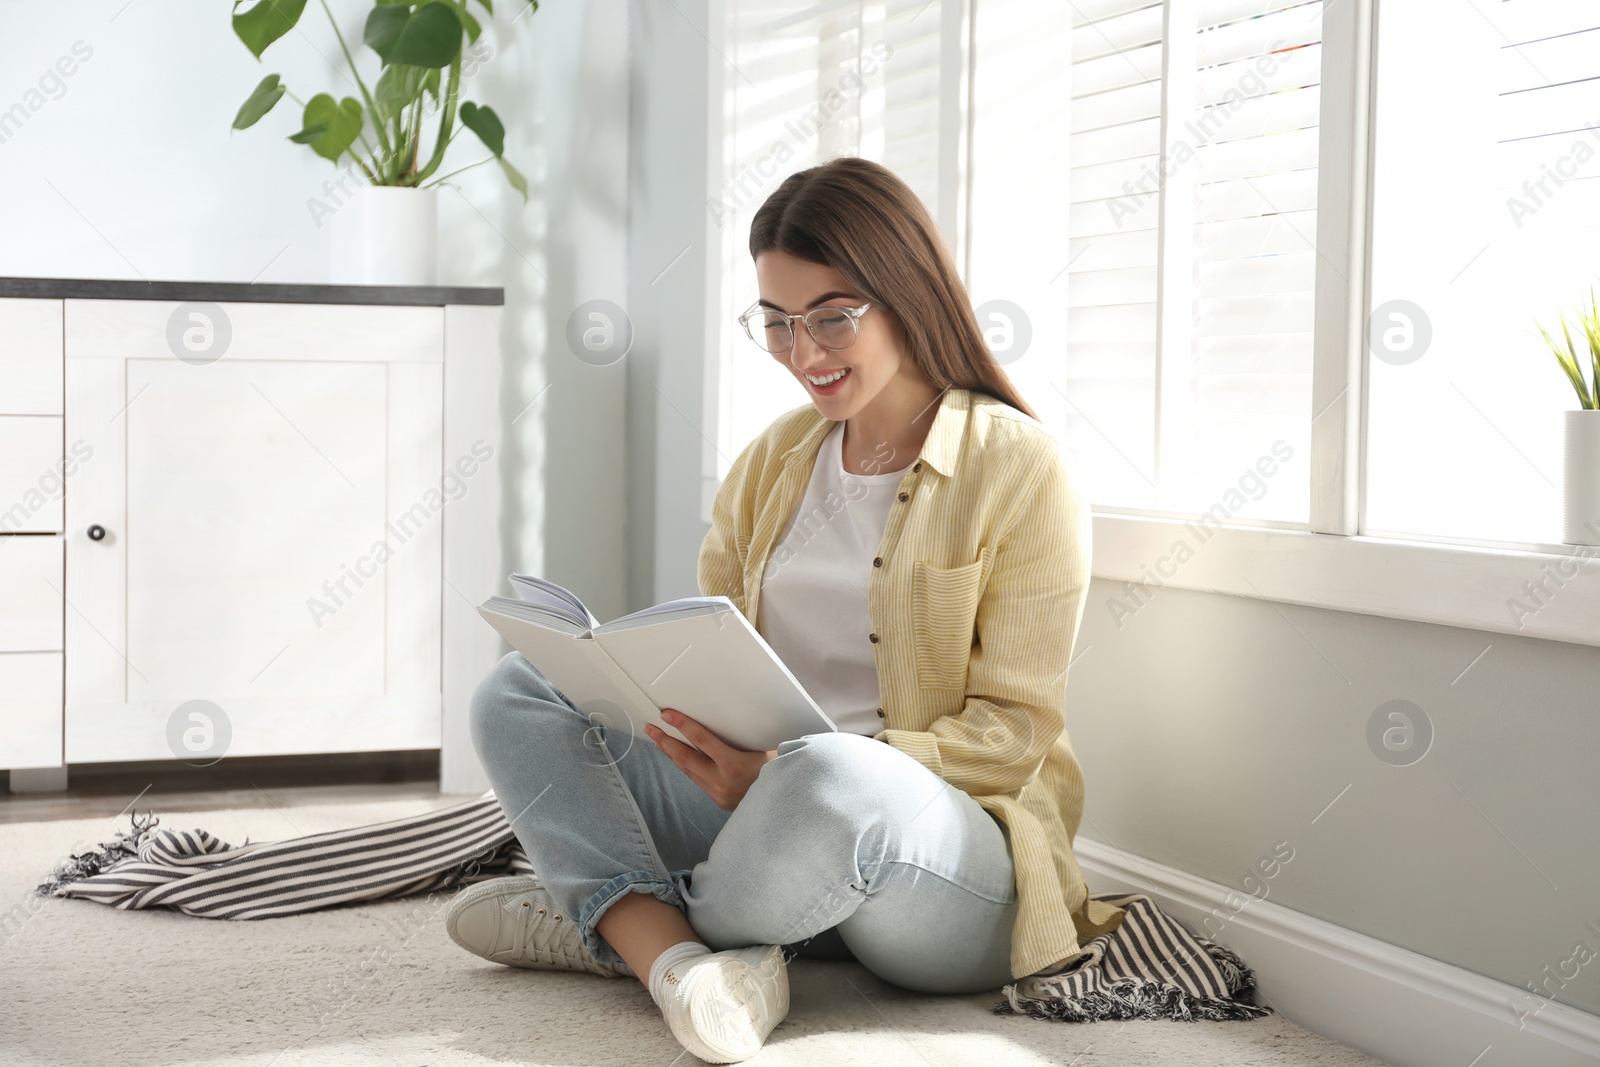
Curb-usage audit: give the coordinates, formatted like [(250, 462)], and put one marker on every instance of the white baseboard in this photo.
[(1406, 1009)]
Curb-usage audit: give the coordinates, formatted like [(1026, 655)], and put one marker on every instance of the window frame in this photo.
[(1327, 562)]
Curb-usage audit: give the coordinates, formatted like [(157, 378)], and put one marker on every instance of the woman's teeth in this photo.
[(835, 376)]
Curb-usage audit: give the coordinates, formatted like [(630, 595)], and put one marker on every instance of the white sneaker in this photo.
[(515, 921), (721, 1006)]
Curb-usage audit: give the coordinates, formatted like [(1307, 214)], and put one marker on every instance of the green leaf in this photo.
[(383, 28), (1567, 359), (430, 82), (431, 37), (266, 22), (397, 87), (487, 6), (1594, 348), (514, 176), (260, 101), (1590, 321), (330, 128), (486, 124), (473, 29)]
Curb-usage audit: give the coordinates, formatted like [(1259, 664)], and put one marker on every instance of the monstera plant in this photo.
[(419, 46)]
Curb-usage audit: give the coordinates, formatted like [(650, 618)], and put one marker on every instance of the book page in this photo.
[(682, 608), (556, 598), (717, 670), (581, 670)]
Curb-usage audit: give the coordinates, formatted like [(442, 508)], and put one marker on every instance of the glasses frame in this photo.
[(854, 315)]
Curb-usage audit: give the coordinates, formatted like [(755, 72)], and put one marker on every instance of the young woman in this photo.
[(913, 546)]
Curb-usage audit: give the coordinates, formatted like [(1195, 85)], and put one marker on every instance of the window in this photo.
[(1486, 211), (1193, 230), (1168, 302), (1280, 262), (808, 82)]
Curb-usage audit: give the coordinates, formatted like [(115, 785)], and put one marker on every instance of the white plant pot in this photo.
[(1581, 494), (385, 236)]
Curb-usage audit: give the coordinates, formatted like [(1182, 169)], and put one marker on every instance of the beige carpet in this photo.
[(81, 983)]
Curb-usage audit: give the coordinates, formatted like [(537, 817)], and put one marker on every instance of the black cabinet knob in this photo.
[(97, 533)]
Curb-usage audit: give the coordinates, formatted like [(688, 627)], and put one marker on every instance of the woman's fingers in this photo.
[(689, 760), (698, 768), (703, 739)]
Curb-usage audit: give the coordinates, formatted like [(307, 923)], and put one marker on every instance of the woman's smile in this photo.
[(826, 383)]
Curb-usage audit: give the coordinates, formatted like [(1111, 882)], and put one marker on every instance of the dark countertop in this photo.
[(254, 292)]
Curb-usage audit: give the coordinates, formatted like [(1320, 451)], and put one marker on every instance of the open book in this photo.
[(699, 655)]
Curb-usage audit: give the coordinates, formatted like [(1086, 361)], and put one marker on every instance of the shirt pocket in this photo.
[(945, 609)]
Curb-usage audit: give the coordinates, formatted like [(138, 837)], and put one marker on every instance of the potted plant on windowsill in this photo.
[(385, 232), (1581, 489)]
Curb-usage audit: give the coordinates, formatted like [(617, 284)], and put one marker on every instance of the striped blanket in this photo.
[(1150, 966)]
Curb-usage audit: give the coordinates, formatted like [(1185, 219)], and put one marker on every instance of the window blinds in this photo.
[(1190, 291), (1186, 351), (1254, 127), (1548, 76), (1113, 245), (806, 82)]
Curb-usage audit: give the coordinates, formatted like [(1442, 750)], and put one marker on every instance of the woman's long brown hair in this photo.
[(861, 219)]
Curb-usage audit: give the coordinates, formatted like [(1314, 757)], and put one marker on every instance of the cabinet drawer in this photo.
[(30, 357), (30, 593), (32, 482), (30, 709)]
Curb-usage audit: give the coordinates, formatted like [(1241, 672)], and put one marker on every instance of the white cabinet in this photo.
[(263, 502)]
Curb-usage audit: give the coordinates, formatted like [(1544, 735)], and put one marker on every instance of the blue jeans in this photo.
[(843, 847)]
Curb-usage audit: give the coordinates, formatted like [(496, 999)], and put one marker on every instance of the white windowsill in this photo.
[(1447, 584)]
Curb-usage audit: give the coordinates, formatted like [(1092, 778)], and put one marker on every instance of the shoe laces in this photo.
[(546, 936)]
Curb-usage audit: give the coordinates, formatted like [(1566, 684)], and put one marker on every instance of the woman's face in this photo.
[(795, 286)]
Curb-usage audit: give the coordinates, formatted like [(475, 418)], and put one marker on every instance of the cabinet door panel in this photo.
[(272, 543), (251, 489)]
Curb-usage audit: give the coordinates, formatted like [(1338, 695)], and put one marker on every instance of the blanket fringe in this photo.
[(1132, 999), (1128, 999), (1240, 978), (81, 865)]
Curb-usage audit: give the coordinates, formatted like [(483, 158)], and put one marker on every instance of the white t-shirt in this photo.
[(814, 589)]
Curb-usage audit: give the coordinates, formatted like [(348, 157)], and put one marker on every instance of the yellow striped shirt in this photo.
[(975, 608)]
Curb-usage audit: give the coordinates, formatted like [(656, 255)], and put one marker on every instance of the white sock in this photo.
[(671, 957)]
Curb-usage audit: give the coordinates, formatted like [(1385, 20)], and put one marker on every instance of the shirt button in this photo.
[(905, 496), (873, 638), (880, 713), (917, 465), (877, 561)]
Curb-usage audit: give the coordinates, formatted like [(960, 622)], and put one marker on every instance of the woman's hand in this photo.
[(724, 772)]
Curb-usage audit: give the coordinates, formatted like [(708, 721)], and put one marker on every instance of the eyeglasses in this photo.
[(831, 327)]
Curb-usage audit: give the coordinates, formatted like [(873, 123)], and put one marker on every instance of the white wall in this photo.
[(127, 169), (1212, 727), (672, 262)]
